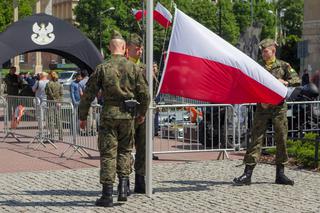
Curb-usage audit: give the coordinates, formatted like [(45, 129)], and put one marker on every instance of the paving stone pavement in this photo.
[(203, 186)]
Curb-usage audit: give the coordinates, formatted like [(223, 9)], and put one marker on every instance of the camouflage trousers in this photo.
[(278, 115), (140, 145), (55, 122), (115, 143)]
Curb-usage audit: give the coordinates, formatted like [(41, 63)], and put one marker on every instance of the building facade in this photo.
[(311, 35)]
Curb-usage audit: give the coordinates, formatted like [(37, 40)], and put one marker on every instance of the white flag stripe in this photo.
[(203, 43), (163, 11)]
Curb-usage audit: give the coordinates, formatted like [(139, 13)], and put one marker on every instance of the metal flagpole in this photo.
[(149, 123)]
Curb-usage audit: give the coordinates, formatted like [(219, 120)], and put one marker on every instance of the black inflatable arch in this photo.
[(45, 33)]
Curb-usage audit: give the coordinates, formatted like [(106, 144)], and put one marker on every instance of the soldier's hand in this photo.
[(286, 83), (83, 124), (140, 119)]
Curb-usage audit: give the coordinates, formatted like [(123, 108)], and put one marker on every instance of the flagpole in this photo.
[(149, 123)]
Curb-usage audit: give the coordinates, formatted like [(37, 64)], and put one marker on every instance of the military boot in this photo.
[(123, 189), (281, 178), (245, 178), (106, 198), (139, 184)]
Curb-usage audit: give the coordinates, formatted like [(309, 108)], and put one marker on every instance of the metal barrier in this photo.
[(213, 131), (21, 117), (3, 115), (215, 128), (302, 117), (88, 138)]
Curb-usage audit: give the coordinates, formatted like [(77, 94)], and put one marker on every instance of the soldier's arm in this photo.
[(92, 88), (291, 76), (142, 93)]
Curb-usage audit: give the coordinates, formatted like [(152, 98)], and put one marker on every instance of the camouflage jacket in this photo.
[(283, 70), (54, 91), (119, 80), (143, 69), (14, 83)]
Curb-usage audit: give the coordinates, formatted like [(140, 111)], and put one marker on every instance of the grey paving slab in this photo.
[(203, 186)]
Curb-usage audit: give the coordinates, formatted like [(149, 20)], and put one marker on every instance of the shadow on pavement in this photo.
[(46, 203), (198, 185), (65, 193)]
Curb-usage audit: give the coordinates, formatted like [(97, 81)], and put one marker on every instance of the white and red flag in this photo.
[(162, 15), (138, 14), (201, 65)]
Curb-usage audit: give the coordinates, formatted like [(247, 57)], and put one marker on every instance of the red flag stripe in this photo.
[(195, 76)]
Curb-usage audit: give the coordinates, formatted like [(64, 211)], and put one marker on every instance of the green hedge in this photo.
[(301, 151)]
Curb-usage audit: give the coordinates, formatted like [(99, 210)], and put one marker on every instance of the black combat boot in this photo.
[(281, 178), (106, 198), (245, 178), (139, 184), (123, 189)]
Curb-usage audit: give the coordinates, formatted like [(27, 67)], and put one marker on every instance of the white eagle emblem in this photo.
[(42, 34)]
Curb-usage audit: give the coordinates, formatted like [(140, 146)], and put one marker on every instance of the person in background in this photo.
[(39, 87), (84, 79), (13, 82), (54, 89), (54, 92), (305, 78), (76, 91)]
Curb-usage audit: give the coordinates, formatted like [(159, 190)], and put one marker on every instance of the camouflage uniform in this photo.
[(54, 92), (140, 129), (278, 115), (119, 80)]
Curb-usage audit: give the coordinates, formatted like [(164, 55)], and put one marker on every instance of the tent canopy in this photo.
[(45, 33)]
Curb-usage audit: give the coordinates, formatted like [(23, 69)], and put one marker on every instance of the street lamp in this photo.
[(281, 14), (100, 26)]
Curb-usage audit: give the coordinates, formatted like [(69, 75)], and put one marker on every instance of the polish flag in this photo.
[(201, 65), (138, 14), (162, 15)]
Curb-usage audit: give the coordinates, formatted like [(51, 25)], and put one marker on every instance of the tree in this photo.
[(89, 12), (290, 23), (6, 11), (242, 12)]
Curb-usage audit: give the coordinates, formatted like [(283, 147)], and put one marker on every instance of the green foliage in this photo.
[(6, 11), (301, 151), (235, 18), (242, 12), (292, 18), (264, 13), (289, 51)]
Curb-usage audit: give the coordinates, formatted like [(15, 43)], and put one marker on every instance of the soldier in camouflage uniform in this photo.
[(278, 114), (120, 80), (134, 53), (54, 92)]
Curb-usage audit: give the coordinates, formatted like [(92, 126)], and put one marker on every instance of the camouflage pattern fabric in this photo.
[(119, 80), (115, 143), (54, 91), (278, 115), (140, 145)]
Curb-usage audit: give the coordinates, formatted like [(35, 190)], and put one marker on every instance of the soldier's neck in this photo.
[(134, 60), (270, 61), (116, 54)]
